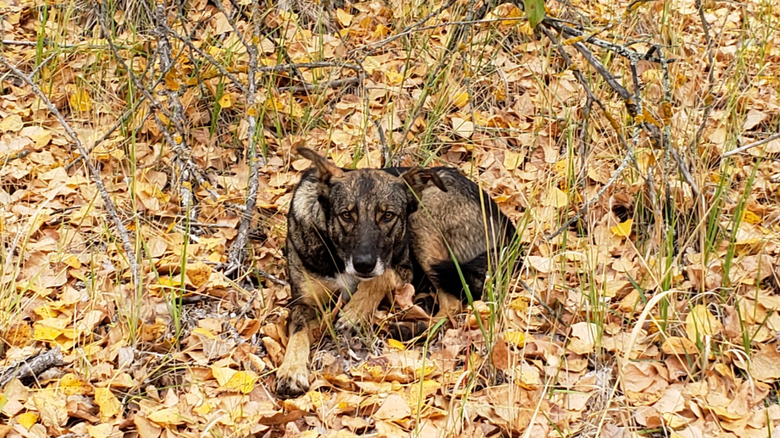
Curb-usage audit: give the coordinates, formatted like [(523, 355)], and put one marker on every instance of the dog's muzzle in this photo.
[(363, 268)]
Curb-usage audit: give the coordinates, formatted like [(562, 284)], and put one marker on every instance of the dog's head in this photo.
[(366, 211)]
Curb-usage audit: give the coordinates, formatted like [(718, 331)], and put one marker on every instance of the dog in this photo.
[(363, 233)]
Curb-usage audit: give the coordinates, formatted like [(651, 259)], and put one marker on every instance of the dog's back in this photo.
[(455, 232)]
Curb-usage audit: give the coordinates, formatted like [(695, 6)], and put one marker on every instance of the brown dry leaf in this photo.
[(167, 417), (11, 123), (679, 346), (583, 337), (394, 407), (753, 119), (462, 127), (765, 364)]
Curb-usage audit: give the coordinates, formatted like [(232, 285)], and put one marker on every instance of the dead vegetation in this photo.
[(146, 167)]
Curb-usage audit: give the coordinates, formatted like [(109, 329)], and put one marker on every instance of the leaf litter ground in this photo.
[(653, 313)]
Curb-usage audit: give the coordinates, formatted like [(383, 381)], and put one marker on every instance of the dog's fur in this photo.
[(363, 232)]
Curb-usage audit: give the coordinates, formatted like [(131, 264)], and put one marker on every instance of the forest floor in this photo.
[(633, 143)]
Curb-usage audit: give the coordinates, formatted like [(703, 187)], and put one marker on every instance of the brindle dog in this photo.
[(364, 231)]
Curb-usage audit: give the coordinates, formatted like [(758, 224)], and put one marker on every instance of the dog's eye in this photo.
[(346, 216), (388, 216)]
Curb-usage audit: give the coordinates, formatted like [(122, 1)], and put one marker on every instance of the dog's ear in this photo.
[(325, 169), (418, 179)]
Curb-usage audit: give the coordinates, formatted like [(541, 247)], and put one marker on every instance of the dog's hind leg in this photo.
[(292, 377)]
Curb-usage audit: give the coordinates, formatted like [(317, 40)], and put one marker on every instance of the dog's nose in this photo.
[(364, 264)]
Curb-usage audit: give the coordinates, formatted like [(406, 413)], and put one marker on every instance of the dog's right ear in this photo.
[(419, 178), (325, 169)]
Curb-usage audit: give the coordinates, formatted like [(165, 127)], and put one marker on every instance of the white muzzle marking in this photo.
[(379, 269)]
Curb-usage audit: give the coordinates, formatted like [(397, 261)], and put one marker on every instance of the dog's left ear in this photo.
[(418, 179), (325, 169)]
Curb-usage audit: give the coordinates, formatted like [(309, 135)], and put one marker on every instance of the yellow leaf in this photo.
[(511, 160), (171, 82), (398, 345), (393, 77), (70, 384), (12, 123), (80, 100), (556, 198), (515, 337), (460, 99), (520, 304), (100, 431), (43, 333), (27, 419), (203, 409), (72, 261), (108, 403), (222, 374), (750, 217), (700, 323), (561, 167), (243, 381), (574, 40), (649, 118), (623, 229), (206, 333), (381, 31), (225, 101), (197, 274), (166, 417), (344, 17), (317, 398)]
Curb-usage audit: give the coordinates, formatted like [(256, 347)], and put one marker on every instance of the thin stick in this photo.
[(741, 149), (708, 104), (627, 53), (254, 160), (32, 367)]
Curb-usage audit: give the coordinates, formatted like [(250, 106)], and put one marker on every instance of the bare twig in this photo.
[(32, 366), (234, 80), (183, 166), (255, 160), (708, 98), (628, 99), (19, 43), (383, 143), (321, 64), (625, 52), (92, 170), (741, 149), (316, 87)]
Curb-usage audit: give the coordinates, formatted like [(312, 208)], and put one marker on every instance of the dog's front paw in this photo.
[(291, 381), (353, 316)]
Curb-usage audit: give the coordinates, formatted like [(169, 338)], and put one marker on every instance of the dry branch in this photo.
[(32, 367), (708, 100), (741, 149), (254, 160), (625, 52)]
